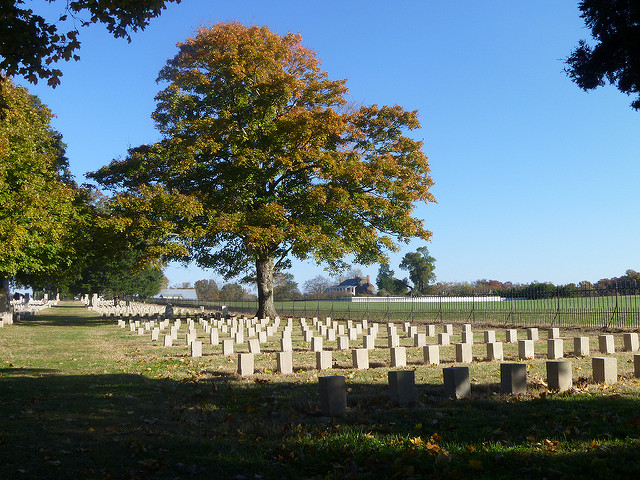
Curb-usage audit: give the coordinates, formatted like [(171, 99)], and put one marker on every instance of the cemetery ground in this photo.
[(82, 398)]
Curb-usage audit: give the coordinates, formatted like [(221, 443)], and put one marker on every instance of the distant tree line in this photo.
[(627, 284), (207, 290), (286, 288)]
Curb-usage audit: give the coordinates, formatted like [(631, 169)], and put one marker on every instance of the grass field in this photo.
[(82, 398)]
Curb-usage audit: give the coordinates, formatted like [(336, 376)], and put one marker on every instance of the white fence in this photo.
[(427, 299)]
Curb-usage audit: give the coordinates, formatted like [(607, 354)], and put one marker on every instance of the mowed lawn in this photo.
[(82, 398)]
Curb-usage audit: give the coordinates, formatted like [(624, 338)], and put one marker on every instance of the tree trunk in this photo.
[(265, 270), (4, 294)]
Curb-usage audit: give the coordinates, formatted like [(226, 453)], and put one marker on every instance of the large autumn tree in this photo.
[(262, 145), (38, 197)]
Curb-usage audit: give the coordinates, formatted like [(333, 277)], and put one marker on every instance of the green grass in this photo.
[(82, 398)]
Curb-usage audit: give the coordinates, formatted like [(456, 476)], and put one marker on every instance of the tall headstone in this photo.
[(369, 342), (630, 342), (581, 346), (456, 382), (489, 336), (525, 349), (360, 358), (285, 344), (227, 347), (559, 375), (398, 357), (513, 378), (431, 354), (466, 337), (285, 362), (254, 346), (419, 340), (323, 360), (555, 348), (605, 343), (245, 364), (605, 370), (402, 387), (196, 349), (464, 353), (511, 335), (333, 395), (316, 344), (495, 351)]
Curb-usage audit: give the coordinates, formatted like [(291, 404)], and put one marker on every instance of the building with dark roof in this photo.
[(178, 294), (352, 287)]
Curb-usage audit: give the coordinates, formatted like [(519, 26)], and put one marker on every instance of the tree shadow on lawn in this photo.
[(58, 316), (131, 426)]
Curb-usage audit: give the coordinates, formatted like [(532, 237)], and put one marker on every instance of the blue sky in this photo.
[(536, 180)]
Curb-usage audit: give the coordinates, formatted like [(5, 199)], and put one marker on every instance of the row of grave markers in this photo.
[(106, 308), (259, 331), (456, 384)]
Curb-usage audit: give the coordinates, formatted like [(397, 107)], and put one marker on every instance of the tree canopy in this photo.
[(388, 284), (37, 193), (119, 275), (420, 266), (285, 287), (615, 58), (207, 290), (261, 159), (316, 288), (30, 44)]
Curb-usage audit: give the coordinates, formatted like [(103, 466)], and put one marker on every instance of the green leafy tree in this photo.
[(259, 140), (615, 58), (38, 197), (30, 45), (388, 284), (420, 266), (400, 287), (119, 275), (385, 280), (207, 290), (285, 287), (231, 292)]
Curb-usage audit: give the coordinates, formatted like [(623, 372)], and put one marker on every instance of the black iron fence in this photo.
[(598, 308)]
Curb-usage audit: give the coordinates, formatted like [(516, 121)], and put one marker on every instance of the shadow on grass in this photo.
[(65, 316), (131, 426)]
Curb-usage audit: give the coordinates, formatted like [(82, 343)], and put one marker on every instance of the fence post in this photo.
[(617, 309), (412, 307)]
